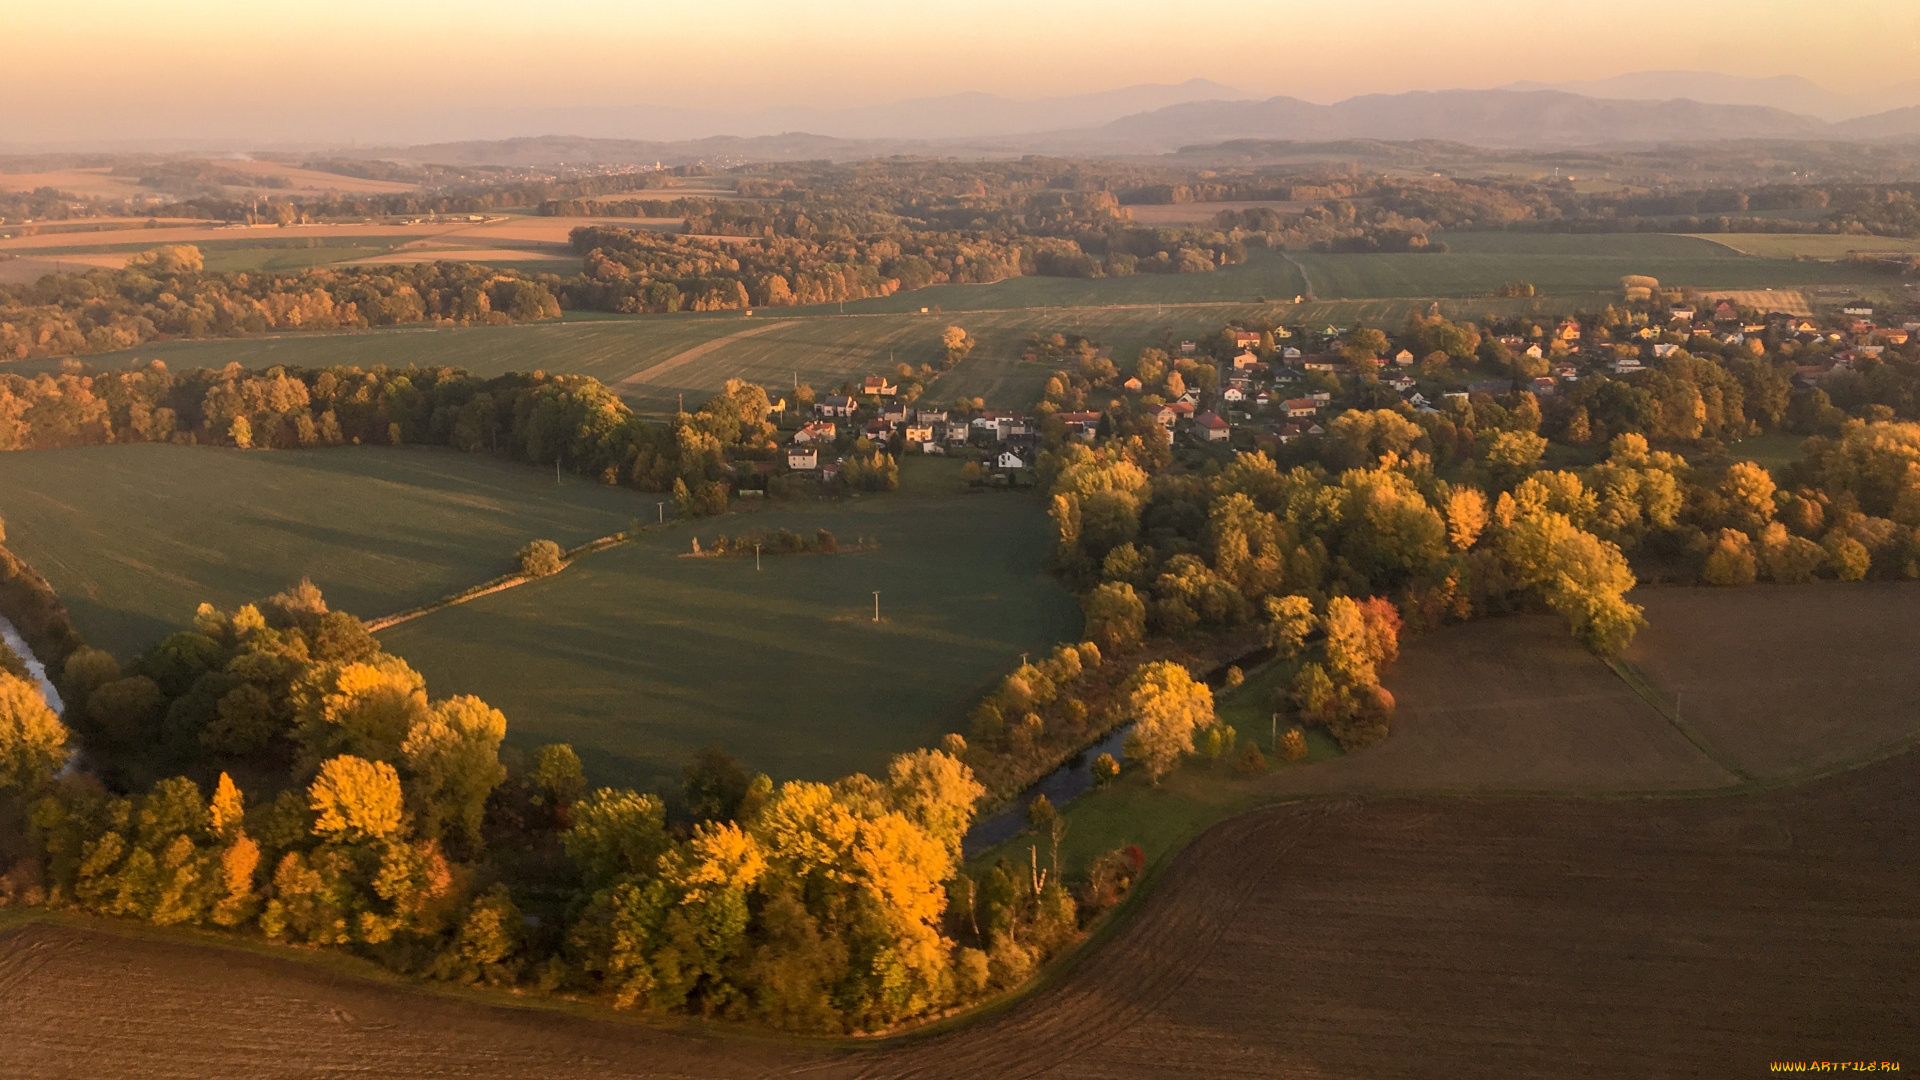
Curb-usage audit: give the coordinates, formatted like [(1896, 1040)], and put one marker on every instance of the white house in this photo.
[(803, 458), (1008, 460)]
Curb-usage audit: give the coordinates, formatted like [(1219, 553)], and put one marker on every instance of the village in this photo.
[(1256, 390)]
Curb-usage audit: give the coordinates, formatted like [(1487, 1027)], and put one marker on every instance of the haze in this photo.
[(363, 71)]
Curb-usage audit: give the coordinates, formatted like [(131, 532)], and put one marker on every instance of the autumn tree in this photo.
[(32, 738), (1167, 707)]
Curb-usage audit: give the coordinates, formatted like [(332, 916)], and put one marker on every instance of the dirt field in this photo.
[(1512, 705), (1201, 213), (1395, 938), (102, 183), (1786, 679)]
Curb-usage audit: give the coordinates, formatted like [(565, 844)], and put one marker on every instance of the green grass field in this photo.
[(640, 655), (1808, 245), (135, 537)]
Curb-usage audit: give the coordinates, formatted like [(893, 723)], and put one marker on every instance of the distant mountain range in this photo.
[(1789, 92), (981, 125)]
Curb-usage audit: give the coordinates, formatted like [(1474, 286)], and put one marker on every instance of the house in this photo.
[(830, 471), (1287, 375), (878, 386), (1297, 407), (931, 416), (837, 405), (894, 414), (803, 458), (877, 431), (1007, 461), (1233, 394), (1082, 425), (1534, 350), (1627, 364), (1247, 339), (1323, 364), (1211, 428), (1321, 398), (1680, 313), (1133, 385), (1404, 358), (1859, 309), (1726, 311), (1568, 330), (1545, 386), (1663, 349), (1262, 399), (1187, 348), (1894, 337), (776, 406), (957, 433), (1182, 410), (919, 433), (1190, 397), (1165, 416), (1289, 353), (1401, 384), (1245, 360), (815, 431)]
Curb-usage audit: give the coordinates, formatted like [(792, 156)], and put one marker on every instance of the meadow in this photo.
[(1808, 245), (134, 538), (642, 654)]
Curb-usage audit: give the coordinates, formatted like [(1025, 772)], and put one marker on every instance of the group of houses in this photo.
[(1007, 441)]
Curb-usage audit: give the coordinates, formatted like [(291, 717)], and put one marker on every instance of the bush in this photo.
[(1251, 761), (540, 558), (1293, 745), (1105, 770)]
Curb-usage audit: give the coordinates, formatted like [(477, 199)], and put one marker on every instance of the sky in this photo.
[(116, 69)]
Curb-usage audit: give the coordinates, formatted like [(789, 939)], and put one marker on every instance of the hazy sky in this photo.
[(117, 69)]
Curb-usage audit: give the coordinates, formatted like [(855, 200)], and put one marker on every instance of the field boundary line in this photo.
[(1640, 685), (503, 582), (687, 356)]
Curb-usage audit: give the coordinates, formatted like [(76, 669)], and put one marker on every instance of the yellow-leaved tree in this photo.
[(1167, 706)]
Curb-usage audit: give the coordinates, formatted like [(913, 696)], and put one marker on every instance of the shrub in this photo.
[(1251, 761), (1105, 770), (1293, 745), (540, 558)]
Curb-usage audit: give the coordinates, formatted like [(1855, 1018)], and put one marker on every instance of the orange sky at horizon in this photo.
[(217, 68)]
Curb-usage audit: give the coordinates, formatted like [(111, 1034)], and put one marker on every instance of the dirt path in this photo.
[(688, 356)]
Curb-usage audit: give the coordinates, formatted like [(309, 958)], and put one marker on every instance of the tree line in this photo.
[(274, 773)]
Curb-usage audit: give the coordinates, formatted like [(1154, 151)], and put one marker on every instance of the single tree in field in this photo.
[(540, 558), (1167, 707), (1105, 770)]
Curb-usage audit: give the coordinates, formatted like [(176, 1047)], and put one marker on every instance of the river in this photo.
[(35, 668)]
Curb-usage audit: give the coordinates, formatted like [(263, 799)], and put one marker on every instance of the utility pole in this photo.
[(876, 605), (662, 508), (1275, 740), (756, 558)]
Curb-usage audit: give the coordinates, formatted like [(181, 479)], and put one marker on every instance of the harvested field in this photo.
[(1788, 301), (1513, 704), (1200, 213), (1785, 679), (1395, 938)]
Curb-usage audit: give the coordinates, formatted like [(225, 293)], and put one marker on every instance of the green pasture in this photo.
[(642, 654), (135, 537), (1809, 245)]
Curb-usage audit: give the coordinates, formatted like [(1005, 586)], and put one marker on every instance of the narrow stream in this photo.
[(1071, 780), (35, 668)]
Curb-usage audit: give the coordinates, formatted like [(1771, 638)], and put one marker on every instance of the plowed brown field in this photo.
[(1367, 933), (1435, 937)]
